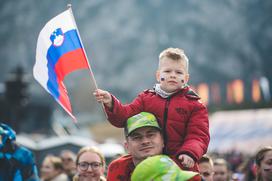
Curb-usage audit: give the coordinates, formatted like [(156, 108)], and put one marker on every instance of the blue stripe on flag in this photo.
[(71, 42)]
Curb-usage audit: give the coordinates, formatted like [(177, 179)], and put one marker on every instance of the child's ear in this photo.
[(158, 76)]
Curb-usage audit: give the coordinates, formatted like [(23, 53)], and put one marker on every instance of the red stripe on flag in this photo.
[(70, 62), (64, 98)]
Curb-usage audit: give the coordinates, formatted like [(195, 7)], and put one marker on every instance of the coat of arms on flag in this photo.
[(57, 37)]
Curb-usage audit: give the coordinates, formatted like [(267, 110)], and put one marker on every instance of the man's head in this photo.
[(143, 136), (173, 71), (68, 159), (206, 167)]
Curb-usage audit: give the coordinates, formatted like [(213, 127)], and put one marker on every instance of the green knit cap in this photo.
[(160, 168), (142, 119)]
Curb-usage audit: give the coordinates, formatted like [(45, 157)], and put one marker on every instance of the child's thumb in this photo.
[(181, 158)]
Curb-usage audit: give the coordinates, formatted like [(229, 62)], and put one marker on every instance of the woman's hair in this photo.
[(260, 154), (92, 150), (56, 161), (259, 158)]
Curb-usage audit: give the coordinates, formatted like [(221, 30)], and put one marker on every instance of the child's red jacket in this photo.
[(182, 117)]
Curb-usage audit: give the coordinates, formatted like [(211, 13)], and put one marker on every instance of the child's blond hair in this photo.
[(174, 54)]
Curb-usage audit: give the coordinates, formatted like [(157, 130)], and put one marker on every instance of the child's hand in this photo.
[(103, 97), (186, 161)]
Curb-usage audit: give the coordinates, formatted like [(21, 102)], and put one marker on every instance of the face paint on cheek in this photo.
[(162, 77), (181, 79)]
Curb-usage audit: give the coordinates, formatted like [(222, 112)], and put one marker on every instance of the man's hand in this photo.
[(103, 97), (186, 161)]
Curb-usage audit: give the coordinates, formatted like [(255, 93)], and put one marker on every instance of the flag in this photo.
[(59, 52)]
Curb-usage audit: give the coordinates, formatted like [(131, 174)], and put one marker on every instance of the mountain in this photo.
[(224, 40)]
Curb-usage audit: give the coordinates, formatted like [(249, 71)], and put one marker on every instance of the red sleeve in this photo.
[(120, 169), (120, 112), (198, 137), (113, 172), (196, 178)]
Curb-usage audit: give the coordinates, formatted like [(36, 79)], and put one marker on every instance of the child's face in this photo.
[(172, 74)]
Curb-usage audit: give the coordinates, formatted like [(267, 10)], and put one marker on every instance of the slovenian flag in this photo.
[(59, 52)]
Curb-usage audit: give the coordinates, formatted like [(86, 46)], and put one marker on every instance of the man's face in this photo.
[(206, 171), (144, 142), (220, 173), (68, 160)]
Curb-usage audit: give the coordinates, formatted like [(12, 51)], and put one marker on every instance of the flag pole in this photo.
[(69, 6), (91, 72)]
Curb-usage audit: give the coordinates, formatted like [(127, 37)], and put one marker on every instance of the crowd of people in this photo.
[(166, 133), (144, 161)]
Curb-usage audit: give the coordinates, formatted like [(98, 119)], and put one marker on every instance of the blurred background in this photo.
[(228, 44)]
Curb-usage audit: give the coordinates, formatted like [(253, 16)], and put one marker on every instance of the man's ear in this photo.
[(126, 145), (163, 145), (158, 76)]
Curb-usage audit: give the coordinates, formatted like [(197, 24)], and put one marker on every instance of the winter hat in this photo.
[(160, 168)]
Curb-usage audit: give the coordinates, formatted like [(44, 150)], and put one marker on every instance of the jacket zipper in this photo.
[(165, 115)]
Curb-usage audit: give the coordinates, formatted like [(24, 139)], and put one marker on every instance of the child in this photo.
[(182, 117)]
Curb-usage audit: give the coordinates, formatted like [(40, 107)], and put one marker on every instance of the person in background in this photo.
[(143, 139), (263, 160), (206, 167), (90, 164), (160, 168), (221, 170), (52, 169), (180, 113), (17, 163), (69, 163), (248, 169)]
